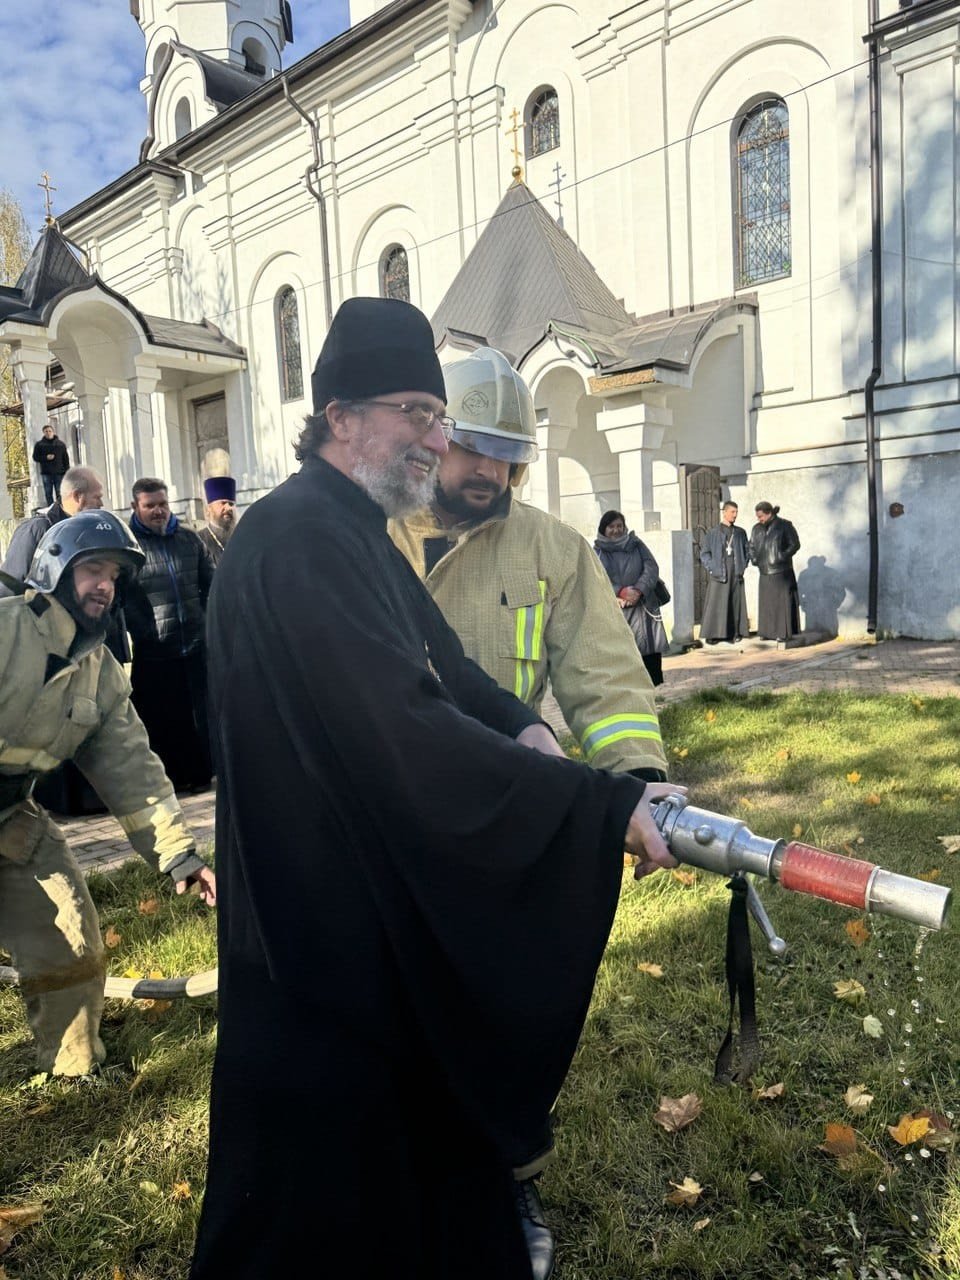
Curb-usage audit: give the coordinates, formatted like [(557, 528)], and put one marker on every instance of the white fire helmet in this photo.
[(493, 410)]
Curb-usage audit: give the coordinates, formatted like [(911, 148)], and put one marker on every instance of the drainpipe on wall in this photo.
[(312, 180), (876, 272)]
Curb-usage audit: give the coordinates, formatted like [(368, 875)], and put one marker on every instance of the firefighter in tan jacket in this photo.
[(530, 602), (63, 696)]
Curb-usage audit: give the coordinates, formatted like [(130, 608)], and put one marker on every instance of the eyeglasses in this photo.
[(420, 416)]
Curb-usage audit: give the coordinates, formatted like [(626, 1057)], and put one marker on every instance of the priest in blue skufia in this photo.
[(413, 902)]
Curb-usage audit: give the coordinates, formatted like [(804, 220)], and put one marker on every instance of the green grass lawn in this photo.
[(118, 1165)]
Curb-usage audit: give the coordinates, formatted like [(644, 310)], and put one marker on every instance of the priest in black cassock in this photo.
[(413, 903), (725, 554)]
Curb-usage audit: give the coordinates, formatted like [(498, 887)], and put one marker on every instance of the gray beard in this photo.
[(223, 531), (392, 487)]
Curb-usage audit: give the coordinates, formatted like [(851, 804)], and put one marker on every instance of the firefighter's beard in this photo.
[(401, 485)]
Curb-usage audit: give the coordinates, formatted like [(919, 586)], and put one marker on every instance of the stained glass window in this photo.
[(544, 123), (763, 194), (395, 274), (288, 345)]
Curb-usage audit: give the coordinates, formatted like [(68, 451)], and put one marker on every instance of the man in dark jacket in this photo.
[(166, 614), (725, 554), (50, 455), (413, 904), (81, 489)]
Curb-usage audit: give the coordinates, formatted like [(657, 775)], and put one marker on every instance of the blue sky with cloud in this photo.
[(71, 99)]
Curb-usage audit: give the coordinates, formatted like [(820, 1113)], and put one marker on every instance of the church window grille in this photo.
[(288, 345), (543, 129), (763, 194), (395, 274)]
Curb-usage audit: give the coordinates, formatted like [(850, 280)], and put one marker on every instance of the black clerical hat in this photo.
[(376, 346)]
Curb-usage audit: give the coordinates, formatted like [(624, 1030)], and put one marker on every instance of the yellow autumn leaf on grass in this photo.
[(850, 990), (857, 1098), (181, 1191), (857, 932), (933, 874), (854, 777), (654, 970), (947, 799), (951, 844), (681, 752), (910, 1129), (675, 1114), (783, 754), (872, 1027), (797, 831), (135, 974), (917, 703), (147, 906), (630, 860), (701, 1223), (771, 1091), (684, 877), (111, 938), (118, 1274), (873, 798), (13, 1221), (710, 716), (745, 802), (685, 1193)]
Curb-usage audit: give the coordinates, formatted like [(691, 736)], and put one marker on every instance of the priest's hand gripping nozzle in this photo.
[(728, 847)]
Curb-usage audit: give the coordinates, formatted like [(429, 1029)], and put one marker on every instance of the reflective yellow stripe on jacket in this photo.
[(529, 643), (614, 729)]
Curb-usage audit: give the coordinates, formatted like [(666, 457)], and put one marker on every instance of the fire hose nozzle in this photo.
[(719, 843)]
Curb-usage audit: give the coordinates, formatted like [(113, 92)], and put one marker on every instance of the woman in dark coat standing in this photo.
[(633, 571), (773, 544)]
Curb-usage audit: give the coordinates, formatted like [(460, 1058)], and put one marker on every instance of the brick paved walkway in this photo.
[(921, 667)]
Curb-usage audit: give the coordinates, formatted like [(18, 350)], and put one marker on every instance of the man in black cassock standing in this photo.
[(413, 904), (725, 554)]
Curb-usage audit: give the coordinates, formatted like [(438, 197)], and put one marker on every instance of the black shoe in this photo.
[(539, 1237)]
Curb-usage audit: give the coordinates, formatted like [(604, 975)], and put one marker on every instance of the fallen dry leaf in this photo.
[(684, 877), (687, 1193), (755, 1176), (951, 844), (910, 1129), (654, 970), (181, 1191), (873, 798), (857, 932), (771, 1091), (111, 938), (940, 1135), (147, 906), (13, 1221), (118, 1274), (857, 1098), (630, 859), (701, 1223), (946, 798), (797, 830), (783, 754), (849, 990), (40, 1109), (840, 1141), (681, 752), (917, 703), (933, 874), (745, 802), (854, 777), (710, 716), (872, 1027), (676, 1113), (135, 974)]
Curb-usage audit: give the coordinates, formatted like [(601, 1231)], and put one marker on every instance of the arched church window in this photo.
[(288, 345), (543, 122), (182, 118), (395, 274), (762, 181)]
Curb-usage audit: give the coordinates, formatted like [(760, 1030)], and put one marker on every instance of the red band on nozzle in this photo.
[(806, 869)]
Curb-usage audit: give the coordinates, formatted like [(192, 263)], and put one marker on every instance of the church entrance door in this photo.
[(701, 506), (213, 444)]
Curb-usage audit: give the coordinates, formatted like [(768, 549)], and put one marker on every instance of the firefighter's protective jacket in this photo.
[(530, 603), (64, 701)]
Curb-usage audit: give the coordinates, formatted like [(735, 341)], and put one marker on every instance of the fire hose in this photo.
[(714, 842)]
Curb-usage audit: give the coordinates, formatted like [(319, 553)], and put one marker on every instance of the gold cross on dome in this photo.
[(47, 189), (514, 129)]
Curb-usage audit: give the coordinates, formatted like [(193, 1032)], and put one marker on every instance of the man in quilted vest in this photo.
[(166, 616)]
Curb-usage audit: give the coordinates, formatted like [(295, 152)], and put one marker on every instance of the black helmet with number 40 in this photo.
[(89, 535)]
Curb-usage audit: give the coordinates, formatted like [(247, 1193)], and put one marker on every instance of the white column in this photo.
[(92, 439), (142, 387), (30, 365), (545, 472), (635, 435)]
